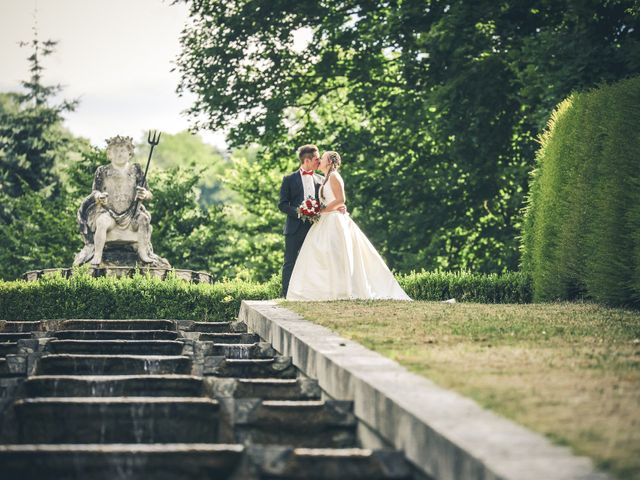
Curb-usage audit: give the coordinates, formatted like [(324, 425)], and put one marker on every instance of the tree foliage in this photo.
[(31, 135), (434, 105), (188, 234), (188, 151), (42, 233), (256, 226)]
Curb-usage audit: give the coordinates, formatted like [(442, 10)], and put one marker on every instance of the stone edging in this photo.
[(446, 435)]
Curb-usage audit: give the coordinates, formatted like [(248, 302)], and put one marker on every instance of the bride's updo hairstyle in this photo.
[(334, 165), (334, 160)]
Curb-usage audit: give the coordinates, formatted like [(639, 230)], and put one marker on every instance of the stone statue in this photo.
[(113, 217)]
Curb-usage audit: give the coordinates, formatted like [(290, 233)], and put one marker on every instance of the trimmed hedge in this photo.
[(83, 296), (512, 287), (581, 232)]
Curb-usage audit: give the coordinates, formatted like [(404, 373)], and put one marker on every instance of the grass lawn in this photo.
[(570, 371)]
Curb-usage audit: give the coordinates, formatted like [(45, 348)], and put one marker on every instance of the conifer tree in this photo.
[(31, 134)]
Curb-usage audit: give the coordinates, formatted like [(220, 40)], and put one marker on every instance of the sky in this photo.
[(115, 56)]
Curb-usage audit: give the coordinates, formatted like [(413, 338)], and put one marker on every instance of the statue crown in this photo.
[(120, 140)]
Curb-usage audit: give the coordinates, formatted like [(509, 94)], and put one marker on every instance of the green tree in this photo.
[(42, 233), (186, 150), (188, 234), (31, 135), (256, 227), (434, 105)]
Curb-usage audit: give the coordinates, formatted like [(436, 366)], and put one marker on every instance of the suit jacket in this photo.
[(291, 196)]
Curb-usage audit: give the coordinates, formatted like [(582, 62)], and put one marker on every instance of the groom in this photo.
[(296, 187)]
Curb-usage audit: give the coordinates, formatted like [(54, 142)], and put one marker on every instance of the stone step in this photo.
[(14, 336), (118, 325), (20, 327), (275, 462), (229, 337), (114, 386), (277, 367), (13, 366), (117, 420), (182, 461), (67, 364), (116, 347), (7, 348), (210, 327), (266, 388), (115, 335), (4, 368), (239, 350), (297, 423)]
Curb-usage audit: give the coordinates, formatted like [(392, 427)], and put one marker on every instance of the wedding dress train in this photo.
[(337, 261)]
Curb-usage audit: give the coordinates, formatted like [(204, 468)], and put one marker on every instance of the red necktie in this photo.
[(307, 172)]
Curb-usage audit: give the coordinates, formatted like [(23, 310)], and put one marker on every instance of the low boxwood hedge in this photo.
[(82, 296), (512, 287)]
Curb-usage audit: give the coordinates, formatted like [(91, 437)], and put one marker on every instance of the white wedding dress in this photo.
[(337, 261)]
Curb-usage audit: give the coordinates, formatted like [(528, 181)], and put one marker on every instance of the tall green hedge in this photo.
[(82, 296), (581, 232)]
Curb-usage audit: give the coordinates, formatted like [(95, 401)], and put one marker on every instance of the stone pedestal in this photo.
[(119, 255), (125, 271)]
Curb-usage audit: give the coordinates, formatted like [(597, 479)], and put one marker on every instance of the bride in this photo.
[(337, 261)]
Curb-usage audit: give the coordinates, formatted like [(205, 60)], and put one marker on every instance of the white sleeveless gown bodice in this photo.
[(337, 261)]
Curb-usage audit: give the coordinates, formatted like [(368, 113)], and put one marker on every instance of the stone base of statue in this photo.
[(126, 255), (119, 252), (124, 271), (119, 255)]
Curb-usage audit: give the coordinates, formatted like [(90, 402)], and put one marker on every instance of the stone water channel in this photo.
[(164, 399)]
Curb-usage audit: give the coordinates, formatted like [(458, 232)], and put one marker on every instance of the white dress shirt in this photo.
[(308, 184)]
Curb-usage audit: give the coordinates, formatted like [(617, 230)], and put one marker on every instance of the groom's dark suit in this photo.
[(295, 230)]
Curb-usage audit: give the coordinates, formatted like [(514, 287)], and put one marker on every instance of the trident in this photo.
[(153, 140)]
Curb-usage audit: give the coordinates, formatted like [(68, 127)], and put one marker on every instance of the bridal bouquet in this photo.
[(309, 210)]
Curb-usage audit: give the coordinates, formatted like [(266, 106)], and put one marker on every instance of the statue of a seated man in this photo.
[(114, 212)]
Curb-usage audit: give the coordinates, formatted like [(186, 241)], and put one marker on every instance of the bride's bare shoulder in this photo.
[(337, 184), (336, 175)]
